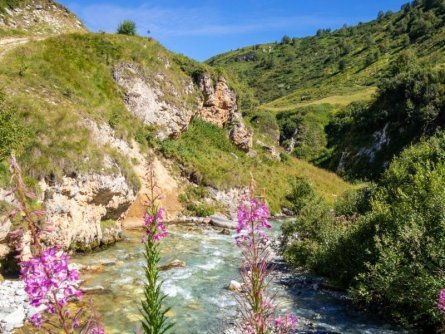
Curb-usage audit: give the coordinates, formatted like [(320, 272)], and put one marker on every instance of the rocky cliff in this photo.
[(96, 137), (39, 17), (220, 108), (149, 97)]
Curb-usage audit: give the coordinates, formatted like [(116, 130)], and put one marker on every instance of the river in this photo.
[(197, 294)]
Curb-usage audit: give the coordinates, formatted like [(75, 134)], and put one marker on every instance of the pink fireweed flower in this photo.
[(441, 301), (286, 324), (97, 330), (49, 281), (37, 320), (253, 217), (157, 232)]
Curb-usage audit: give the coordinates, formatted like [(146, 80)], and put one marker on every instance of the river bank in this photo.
[(197, 289)]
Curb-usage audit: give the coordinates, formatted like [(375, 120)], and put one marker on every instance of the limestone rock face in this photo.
[(220, 108), (41, 17), (240, 135), (78, 205), (147, 101), (219, 101)]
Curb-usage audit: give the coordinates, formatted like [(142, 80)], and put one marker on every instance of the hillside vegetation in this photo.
[(345, 60), (351, 66), (58, 85), (369, 103), (36, 17)]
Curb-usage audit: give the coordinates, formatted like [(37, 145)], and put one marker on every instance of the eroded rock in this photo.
[(78, 205), (146, 100), (172, 265)]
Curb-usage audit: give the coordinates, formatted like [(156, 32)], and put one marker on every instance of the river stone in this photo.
[(224, 231), (107, 262), (221, 221), (94, 289), (15, 319), (172, 265), (235, 286)]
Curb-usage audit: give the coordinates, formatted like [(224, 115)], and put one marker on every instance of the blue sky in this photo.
[(201, 29)]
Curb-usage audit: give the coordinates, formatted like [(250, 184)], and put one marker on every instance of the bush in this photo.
[(304, 127), (386, 243), (409, 103), (127, 27), (301, 193), (286, 40), (407, 211), (192, 201)]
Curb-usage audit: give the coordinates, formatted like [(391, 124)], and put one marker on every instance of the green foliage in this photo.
[(127, 27), (192, 201), (407, 211), (13, 132), (305, 128), (410, 103), (301, 193), (386, 243), (286, 40), (312, 229), (265, 125)]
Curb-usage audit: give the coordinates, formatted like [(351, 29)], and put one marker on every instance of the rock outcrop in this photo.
[(220, 108), (147, 100), (86, 209), (240, 135), (157, 102), (219, 101), (38, 17)]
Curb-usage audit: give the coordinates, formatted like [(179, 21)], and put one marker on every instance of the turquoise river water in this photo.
[(197, 293)]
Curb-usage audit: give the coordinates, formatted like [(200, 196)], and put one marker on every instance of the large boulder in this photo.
[(86, 209)]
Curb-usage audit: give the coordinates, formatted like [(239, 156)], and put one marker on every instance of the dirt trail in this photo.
[(169, 189), (9, 43)]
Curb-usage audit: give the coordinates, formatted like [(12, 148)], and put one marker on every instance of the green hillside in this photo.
[(53, 85), (297, 76), (338, 62)]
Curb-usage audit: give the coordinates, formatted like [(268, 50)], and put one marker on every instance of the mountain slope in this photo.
[(344, 60), (36, 17), (304, 83), (86, 112)]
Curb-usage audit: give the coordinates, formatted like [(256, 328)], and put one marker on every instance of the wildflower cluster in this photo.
[(253, 217), (286, 324), (257, 307), (50, 283), (154, 227)]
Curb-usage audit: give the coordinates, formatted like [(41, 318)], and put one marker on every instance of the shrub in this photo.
[(407, 211), (301, 193), (286, 40), (127, 27), (386, 243)]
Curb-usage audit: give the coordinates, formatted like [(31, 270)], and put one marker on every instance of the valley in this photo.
[(340, 134)]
